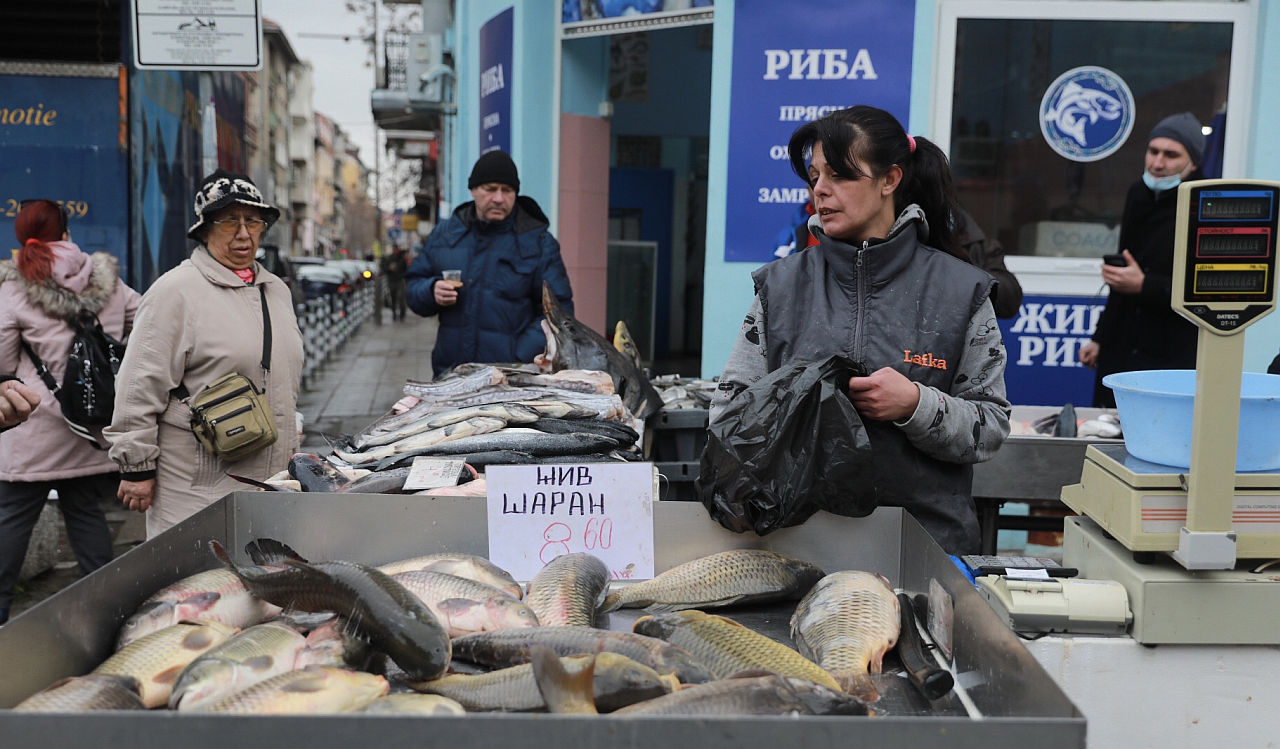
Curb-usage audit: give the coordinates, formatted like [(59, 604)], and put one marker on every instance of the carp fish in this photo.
[(216, 595), (464, 606), (309, 691), (254, 655), (568, 590), (470, 566), (156, 660), (723, 579), (728, 648), (390, 617), (85, 693), (768, 694), (846, 624)]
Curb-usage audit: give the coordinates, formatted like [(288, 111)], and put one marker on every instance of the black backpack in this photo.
[(88, 391)]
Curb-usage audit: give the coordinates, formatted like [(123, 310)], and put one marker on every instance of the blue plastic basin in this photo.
[(1156, 412)]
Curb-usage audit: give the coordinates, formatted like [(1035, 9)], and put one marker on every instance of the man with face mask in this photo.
[(501, 248), (1138, 329)]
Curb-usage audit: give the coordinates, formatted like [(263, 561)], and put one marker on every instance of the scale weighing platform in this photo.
[(1185, 541)]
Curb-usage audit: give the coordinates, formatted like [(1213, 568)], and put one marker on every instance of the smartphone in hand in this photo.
[(1115, 259)]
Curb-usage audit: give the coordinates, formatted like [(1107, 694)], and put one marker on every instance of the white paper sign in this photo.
[(197, 34), (431, 473), (537, 513)]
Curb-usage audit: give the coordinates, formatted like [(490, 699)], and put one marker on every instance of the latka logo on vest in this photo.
[(1050, 335), (923, 360), (1087, 114)]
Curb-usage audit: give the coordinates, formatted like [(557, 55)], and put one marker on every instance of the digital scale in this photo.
[(1183, 542)]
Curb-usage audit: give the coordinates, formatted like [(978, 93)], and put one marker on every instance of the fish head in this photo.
[(150, 617), (508, 613), (418, 643), (618, 674), (820, 700), (204, 681), (662, 626)]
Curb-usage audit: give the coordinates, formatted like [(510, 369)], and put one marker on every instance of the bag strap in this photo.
[(181, 392), (45, 376)]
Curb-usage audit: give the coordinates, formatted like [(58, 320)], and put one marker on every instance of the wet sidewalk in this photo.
[(359, 383)]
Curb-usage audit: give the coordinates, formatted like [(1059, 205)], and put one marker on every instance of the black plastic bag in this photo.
[(786, 447)]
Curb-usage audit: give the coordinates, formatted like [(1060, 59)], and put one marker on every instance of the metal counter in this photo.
[(1011, 699)]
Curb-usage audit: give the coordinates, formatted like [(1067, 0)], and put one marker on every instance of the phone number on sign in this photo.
[(75, 208)]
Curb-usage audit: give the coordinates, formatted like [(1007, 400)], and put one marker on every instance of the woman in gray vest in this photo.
[(888, 286)]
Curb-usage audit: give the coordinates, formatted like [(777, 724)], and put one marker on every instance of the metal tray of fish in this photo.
[(1003, 696)]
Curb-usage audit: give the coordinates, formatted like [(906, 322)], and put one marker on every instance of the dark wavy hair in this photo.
[(876, 138), (38, 222)]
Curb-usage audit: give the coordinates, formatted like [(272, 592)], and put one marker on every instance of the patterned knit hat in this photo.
[(221, 189)]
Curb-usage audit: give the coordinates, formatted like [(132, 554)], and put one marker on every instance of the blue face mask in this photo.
[(1161, 183)]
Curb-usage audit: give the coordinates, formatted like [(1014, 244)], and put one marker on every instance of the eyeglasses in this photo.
[(232, 225), (62, 209)]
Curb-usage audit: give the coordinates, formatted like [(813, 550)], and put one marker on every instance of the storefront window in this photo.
[(1035, 200)]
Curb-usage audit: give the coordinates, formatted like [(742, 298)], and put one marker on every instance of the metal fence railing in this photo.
[(328, 321)]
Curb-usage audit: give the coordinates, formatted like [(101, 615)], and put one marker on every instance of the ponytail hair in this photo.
[(875, 138), (38, 223)]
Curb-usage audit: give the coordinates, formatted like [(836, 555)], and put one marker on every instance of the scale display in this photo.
[(1225, 252)]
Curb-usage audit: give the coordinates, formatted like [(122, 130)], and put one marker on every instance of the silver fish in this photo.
[(83, 693), (453, 432), (470, 566), (846, 624), (215, 595), (464, 606), (254, 655)]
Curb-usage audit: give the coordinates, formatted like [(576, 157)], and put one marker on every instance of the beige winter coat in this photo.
[(44, 448), (197, 323)]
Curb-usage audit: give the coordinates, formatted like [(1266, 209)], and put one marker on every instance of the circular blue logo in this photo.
[(1087, 114)]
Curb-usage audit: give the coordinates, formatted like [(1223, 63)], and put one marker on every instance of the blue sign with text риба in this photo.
[(495, 82), (1043, 347), (792, 64)]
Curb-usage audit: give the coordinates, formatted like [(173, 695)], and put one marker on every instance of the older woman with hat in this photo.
[(219, 312)]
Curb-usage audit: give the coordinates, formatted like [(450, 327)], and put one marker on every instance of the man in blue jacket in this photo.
[(501, 244)]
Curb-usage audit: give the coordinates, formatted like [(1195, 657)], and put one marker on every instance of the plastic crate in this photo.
[(678, 486), (678, 435)]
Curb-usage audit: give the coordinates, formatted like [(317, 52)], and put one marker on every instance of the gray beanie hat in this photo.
[(1185, 129)]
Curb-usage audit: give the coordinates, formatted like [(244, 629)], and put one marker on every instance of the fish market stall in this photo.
[(1003, 697)]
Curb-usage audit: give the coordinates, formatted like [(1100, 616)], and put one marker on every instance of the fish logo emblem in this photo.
[(1087, 114)]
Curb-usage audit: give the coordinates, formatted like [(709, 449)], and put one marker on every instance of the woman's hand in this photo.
[(17, 401), (1124, 280), (1088, 355), (885, 395), (136, 495)]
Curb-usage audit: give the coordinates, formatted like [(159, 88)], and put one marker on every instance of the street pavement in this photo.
[(359, 383)]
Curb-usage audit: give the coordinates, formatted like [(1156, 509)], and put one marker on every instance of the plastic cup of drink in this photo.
[(453, 276)]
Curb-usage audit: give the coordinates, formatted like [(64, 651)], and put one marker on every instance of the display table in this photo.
[(1167, 696)]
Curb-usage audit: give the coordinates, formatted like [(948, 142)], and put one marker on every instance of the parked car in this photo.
[(319, 280)]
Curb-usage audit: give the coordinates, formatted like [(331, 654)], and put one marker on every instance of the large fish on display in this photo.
[(309, 691), (758, 695), (618, 681), (728, 648), (85, 693), (215, 595), (512, 647), (738, 576), (393, 619), (846, 624), (572, 345), (254, 655), (568, 590), (157, 659)]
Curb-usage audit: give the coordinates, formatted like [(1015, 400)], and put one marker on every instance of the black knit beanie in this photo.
[(494, 166), (1185, 129)]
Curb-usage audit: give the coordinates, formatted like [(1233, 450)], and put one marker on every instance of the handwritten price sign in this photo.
[(537, 513)]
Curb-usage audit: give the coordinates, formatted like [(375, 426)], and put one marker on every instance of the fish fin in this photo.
[(220, 552), (314, 681), (659, 607), (260, 484), (264, 551), (563, 692), (457, 604), (611, 602), (169, 675), (750, 673), (191, 606), (340, 442), (859, 685)]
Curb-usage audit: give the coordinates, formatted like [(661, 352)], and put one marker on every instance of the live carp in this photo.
[(769, 694), (254, 655), (568, 590), (470, 566), (392, 618), (309, 691), (85, 693), (723, 579), (157, 659), (846, 624), (215, 595), (464, 606)]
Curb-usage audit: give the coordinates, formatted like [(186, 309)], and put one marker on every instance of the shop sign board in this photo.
[(1043, 345), (495, 82), (539, 512), (78, 124), (790, 67), (201, 35)]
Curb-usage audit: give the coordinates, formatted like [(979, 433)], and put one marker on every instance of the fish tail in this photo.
[(563, 692), (220, 552), (340, 442), (611, 602), (267, 551), (859, 685)]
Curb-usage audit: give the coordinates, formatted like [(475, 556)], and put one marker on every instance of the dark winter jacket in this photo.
[(499, 311), (1141, 331)]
